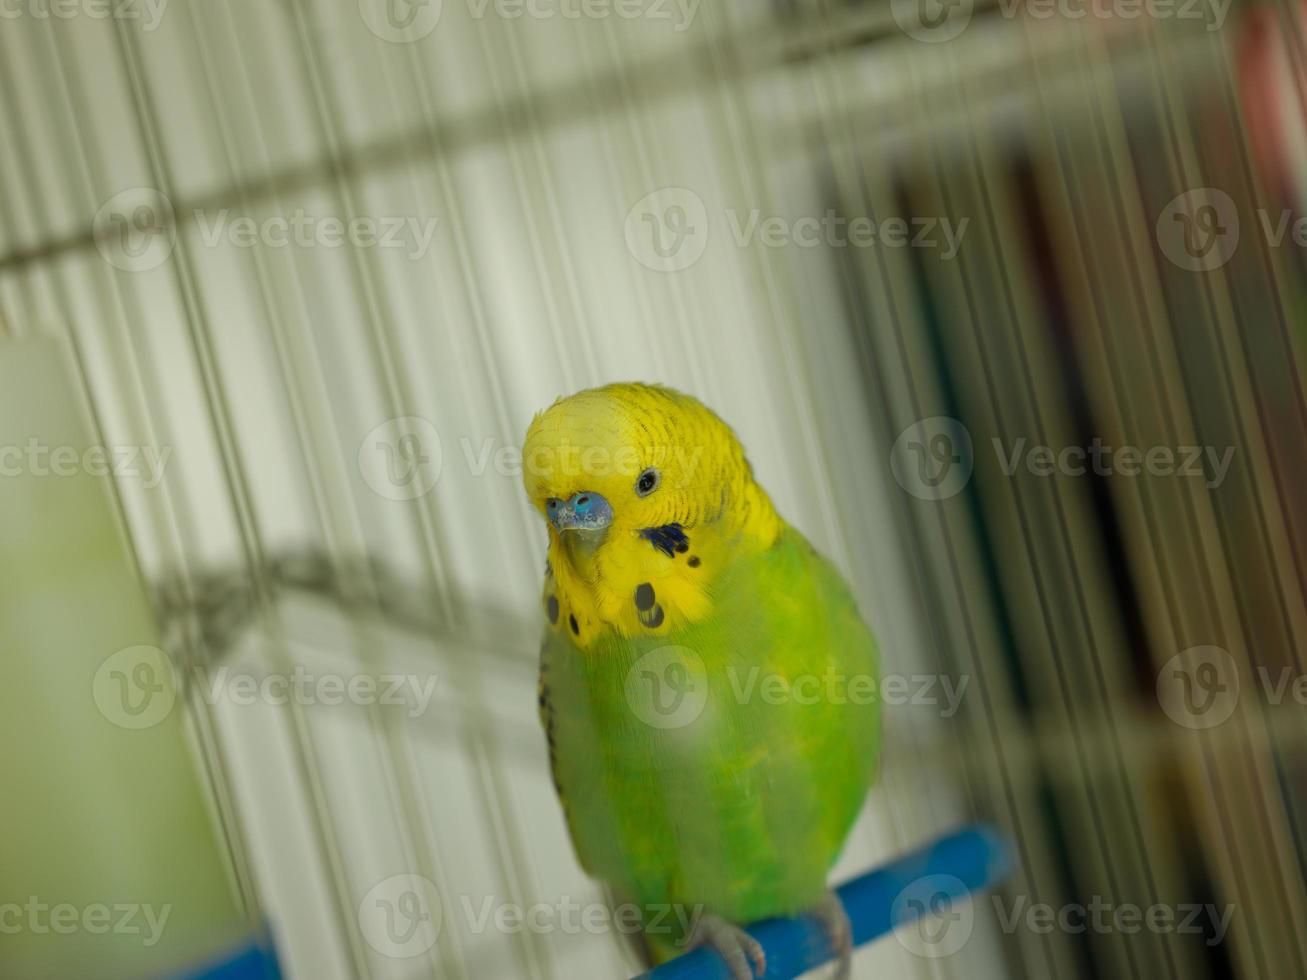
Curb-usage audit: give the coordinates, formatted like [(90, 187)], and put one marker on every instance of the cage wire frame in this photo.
[(232, 474), (933, 565)]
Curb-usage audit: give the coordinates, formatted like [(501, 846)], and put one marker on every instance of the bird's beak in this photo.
[(582, 523), (585, 511)]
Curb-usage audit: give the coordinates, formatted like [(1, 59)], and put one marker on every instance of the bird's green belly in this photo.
[(739, 828), (719, 765)]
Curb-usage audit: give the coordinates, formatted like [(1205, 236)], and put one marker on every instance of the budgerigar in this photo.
[(704, 677)]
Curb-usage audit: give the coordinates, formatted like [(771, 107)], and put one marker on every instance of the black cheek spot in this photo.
[(694, 561), (552, 608), (571, 621), (683, 547), (652, 619), (644, 596), (667, 538)]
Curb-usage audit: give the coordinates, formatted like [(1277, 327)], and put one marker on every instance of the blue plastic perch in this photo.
[(958, 865)]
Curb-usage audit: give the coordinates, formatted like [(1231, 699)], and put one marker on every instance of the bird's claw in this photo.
[(743, 954), (839, 931)]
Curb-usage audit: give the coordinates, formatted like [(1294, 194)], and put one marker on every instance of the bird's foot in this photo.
[(835, 921), (742, 953)]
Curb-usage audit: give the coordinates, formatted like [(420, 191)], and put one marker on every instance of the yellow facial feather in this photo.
[(651, 567)]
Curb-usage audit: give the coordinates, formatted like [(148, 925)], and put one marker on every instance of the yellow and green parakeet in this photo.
[(696, 674)]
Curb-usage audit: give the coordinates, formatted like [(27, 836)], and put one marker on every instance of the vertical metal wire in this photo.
[(744, 151), (251, 545), (1041, 626), (1278, 289), (24, 306), (83, 183), (1109, 694), (1101, 98), (495, 797), (892, 313), (1218, 318), (413, 823), (56, 80), (532, 183), (643, 167)]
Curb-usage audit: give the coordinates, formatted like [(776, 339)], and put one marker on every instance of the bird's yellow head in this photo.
[(641, 487)]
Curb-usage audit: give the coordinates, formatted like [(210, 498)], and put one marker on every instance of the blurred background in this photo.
[(1007, 302)]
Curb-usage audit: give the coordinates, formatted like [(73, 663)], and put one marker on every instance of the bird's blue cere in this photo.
[(584, 511)]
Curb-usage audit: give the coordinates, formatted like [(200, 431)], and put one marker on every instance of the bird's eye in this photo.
[(647, 483)]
